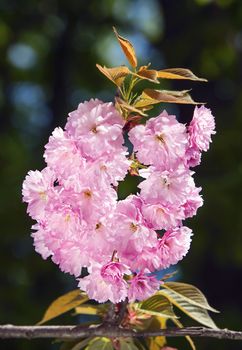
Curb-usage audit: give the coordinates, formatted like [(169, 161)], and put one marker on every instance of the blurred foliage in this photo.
[(48, 52)]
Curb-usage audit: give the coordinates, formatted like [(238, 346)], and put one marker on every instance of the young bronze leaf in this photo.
[(116, 74), (63, 304), (127, 48), (169, 275), (167, 96), (125, 106), (188, 338), (197, 313), (178, 73), (148, 74), (192, 294), (157, 305)]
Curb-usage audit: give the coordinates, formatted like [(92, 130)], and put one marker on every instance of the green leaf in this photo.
[(80, 345), (128, 344), (197, 313), (189, 292), (63, 304), (75, 345), (157, 305), (100, 344)]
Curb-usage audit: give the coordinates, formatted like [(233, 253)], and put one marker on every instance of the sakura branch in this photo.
[(74, 332)]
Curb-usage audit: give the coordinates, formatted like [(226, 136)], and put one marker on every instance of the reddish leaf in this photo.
[(127, 48)]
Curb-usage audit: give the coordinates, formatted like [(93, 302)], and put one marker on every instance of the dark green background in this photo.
[(48, 52)]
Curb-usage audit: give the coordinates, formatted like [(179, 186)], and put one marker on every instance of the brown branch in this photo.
[(75, 332)]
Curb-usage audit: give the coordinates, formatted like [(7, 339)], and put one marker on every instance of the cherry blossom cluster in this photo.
[(80, 221)]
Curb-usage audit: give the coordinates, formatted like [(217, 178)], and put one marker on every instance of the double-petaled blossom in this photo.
[(81, 223), (161, 142), (200, 131)]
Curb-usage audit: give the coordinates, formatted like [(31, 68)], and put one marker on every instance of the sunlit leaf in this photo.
[(116, 74), (150, 96), (197, 313), (100, 344), (156, 343), (188, 338), (87, 310), (127, 48), (63, 304), (192, 294), (178, 73), (90, 309), (157, 305)]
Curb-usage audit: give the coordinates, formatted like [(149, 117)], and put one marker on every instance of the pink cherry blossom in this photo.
[(174, 245), (142, 287), (162, 141), (133, 232), (201, 128), (37, 188), (162, 217), (81, 223), (101, 289), (200, 131), (114, 271), (63, 155), (167, 187), (97, 127)]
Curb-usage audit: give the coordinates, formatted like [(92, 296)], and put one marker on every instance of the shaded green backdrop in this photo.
[(48, 52)]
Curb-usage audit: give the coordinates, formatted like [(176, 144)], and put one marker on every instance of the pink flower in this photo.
[(161, 142), (39, 241), (114, 271), (174, 245), (147, 260), (63, 155), (167, 187), (130, 226), (192, 157), (109, 169), (201, 128), (101, 289), (81, 222), (97, 127), (162, 217), (142, 287), (193, 202), (37, 188)]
